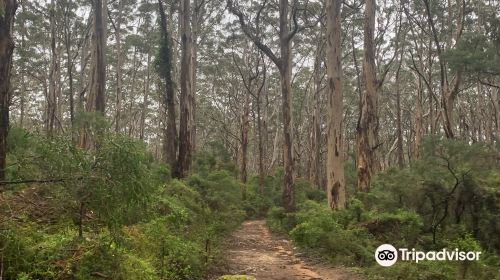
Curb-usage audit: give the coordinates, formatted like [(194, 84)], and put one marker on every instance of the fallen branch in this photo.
[(42, 181)]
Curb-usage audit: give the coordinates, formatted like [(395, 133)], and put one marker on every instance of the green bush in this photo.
[(319, 230), (138, 223)]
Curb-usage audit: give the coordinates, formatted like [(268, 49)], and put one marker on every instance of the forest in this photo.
[(248, 139)]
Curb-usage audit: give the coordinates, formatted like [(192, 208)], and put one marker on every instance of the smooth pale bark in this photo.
[(260, 131), (430, 91), (69, 69), (8, 8), (195, 24), (335, 150), (244, 124), (144, 109), (286, 88), (418, 120), (316, 130), (185, 129), (119, 58), (244, 137), (22, 93), (367, 127), (399, 129)]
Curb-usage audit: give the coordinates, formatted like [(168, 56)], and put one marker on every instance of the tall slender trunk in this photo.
[(260, 131), (335, 162), (399, 130), (8, 8), (418, 120), (286, 80), (119, 81), (244, 136), (69, 68), (367, 127), (54, 68), (22, 94), (170, 144), (430, 92), (195, 23), (316, 130), (185, 145), (145, 100)]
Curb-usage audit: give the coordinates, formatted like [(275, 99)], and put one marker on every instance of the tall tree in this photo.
[(119, 63), (367, 127), (449, 91), (54, 75), (8, 10), (164, 68), (314, 161), (96, 100), (335, 158), (284, 65), (185, 123), (97, 85)]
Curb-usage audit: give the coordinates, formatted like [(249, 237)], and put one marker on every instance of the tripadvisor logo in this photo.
[(387, 255)]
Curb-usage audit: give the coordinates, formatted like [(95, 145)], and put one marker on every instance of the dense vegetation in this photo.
[(135, 135), (447, 199), (117, 214)]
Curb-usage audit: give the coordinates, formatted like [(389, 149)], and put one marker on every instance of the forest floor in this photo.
[(253, 250)]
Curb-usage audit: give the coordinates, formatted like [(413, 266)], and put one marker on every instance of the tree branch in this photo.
[(248, 32)]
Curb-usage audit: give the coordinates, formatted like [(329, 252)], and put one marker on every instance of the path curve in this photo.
[(254, 251)]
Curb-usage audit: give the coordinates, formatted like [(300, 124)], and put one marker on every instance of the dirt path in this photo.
[(255, 251)]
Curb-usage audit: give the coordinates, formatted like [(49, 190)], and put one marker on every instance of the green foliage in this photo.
[(447, 199), (105, 259), (318, 229), (137, 222)]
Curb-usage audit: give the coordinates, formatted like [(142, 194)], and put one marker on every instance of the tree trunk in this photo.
[(244, 134), (260, 131), (96, 99), (145, 101), (8, 8), (335, 162), (170, 144), (195, 23), (367, 127), (22, 94), (69, 68), (284, 64), (119, 58), (54, 68), (286, 80), (185, 145), (399, 130), (316, 129), (418, 120)]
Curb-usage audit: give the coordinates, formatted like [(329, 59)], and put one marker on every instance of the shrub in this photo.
[(319, 230)]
